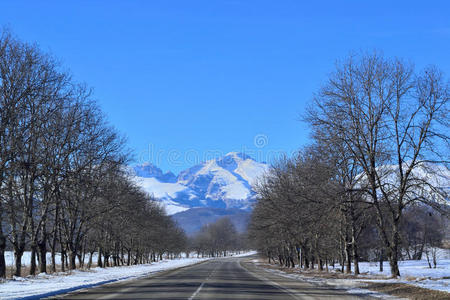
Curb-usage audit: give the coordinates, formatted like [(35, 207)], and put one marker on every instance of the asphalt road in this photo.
[(232, 278)]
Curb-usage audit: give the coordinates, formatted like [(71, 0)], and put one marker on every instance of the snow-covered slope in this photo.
[(225, 182), (164, 192)]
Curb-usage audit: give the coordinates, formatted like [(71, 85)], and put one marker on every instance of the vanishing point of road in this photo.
[(227, 278)]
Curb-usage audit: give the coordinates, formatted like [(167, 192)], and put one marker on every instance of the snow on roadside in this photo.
[(244, 254), (48, 285), (414, 272), (44, 285), (351, 286), (409, 269)]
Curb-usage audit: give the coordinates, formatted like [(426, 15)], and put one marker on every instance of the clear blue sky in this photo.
[(185, 80)]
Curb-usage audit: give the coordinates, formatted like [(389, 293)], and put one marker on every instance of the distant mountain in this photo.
[(225, 182), (193, 219), (149, 170)]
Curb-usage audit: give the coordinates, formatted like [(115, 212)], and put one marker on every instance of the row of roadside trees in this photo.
[(374, 178), (218, 239), (63, 185)]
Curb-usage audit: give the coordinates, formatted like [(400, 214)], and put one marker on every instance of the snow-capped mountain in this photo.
[(225, 182)]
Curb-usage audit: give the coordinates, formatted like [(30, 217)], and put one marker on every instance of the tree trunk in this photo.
[(80, 259), (393, 250), (99, 258), (428, 258), (2, 255), (90, 259), (72, 259), (63, 263), (393, 262), (434, 261), (305, 258), (348, 260), (136, 258), (355, 247), (381, 260), (56, 233), (355, 258), (18, 252), (53, 255), (66, 260), (33, 258), (106, 259), (42, 254)]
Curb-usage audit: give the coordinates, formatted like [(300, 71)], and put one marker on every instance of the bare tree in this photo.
[(63, 183), (390, 120)]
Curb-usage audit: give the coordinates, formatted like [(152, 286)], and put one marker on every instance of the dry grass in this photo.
[(408, 291), (446, 244)]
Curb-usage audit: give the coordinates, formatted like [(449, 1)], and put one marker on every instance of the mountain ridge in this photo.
[(224, 182)]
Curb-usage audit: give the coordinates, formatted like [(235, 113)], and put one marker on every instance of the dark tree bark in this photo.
[(2, 254)]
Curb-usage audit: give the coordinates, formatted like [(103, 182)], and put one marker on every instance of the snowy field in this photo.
[(47, 285), (415, 272), (412, 272), (26, 258)]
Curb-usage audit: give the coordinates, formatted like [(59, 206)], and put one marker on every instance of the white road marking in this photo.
[(201, 285), (197, 291)]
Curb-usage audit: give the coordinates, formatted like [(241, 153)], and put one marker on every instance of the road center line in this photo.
[(197, 291), (201, 285)]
